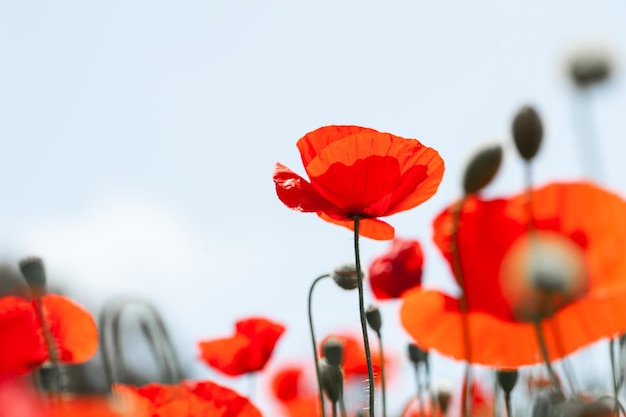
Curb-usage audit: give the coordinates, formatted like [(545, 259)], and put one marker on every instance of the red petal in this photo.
[(227, 355), (296, 193), (233, 404), (73, 328), (313, 142), (372, 228), (397, 270), (22, 346)]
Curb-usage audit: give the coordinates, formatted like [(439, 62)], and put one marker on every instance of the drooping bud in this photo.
[(331, 378), (34, 273), (527, 132), (373, 318), (416, 354), (444, 395), (482, 168), (507, 379), (345, 276), (333, 351), (589, 67)]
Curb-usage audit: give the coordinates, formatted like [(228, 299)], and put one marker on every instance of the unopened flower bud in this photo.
[(481, 169), (34, 273), (416, 354), (507, 379), (333, 351), (346, 277), (373, 318), (590, 67), (444, 395), (331, 378), (527, 132)]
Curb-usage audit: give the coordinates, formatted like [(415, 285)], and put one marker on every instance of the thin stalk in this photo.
[(368, 355), (334, 408), (507, 402), (314, 342), (546, 357), (342, 407), (382, 373), (565, 364), (418, 386), (51, 347), (456, 259), (614, 373)]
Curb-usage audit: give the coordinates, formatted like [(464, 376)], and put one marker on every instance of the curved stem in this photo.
[(368, 355), (382, 373), (314, 342), (546, 357), (458, 273)]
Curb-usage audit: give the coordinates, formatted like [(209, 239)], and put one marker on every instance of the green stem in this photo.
[(314, 342), (59, 377), (614, 374), (368, 355), (507, 402), (458, 272), (546, 357), (382, 373), (334, 408), (342, 406)]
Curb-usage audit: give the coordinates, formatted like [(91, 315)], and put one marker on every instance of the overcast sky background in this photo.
[(139, 139)]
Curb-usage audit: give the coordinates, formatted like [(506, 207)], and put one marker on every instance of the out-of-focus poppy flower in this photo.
[(296, 398), (586, 216), (187, 399), (356, 171), (248, 350), (24, 347), (397, 270)]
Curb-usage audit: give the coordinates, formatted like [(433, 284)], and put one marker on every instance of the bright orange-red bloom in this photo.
[(248, 350), (588, 217), (296, 398), (187, 399), (23, 346), (356, 171), (397, 270)]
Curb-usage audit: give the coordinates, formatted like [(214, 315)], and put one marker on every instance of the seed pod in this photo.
[(527, 132), (507, 379), (482, 168), (345, 276), (331, 378), (416, 354), (333, 351), (34, 273), (590, 67), (373, 318), (444, 395)]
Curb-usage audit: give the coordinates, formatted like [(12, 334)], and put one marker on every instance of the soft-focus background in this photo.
[(138, 141)]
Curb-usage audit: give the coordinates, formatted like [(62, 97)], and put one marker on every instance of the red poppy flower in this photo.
[(588, 218), (72, 328), (296, 398), (356, 171), (397, 270), (188, 399), (248, 350)]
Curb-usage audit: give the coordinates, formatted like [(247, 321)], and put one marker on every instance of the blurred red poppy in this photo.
[(248, 350), (397, 270), (24, 347), (581, 214), (356, 171), (187, 399), (296, 398)]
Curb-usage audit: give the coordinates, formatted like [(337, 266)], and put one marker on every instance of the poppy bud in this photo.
[(416, 354), (590, 67), (34, 273), (333, 351), (331, 378), (507, 380), (444, 395), (345, 276), (527, 132), (481, 169), (373, 318)]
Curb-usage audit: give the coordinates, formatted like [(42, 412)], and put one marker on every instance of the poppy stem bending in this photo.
[(458, 273), (314, 342), (546, 357), (382, 373), (58, 383), (507, 402), (366, 343)]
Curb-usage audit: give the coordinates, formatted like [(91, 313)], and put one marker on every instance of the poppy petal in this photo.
[(313, 142), (434, 320), (227, 355), (371, 228), (397, 270), (22, 346), (296, 193), (233, 404), (73, 328)]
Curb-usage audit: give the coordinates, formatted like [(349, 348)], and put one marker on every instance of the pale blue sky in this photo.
[(139, 138)]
